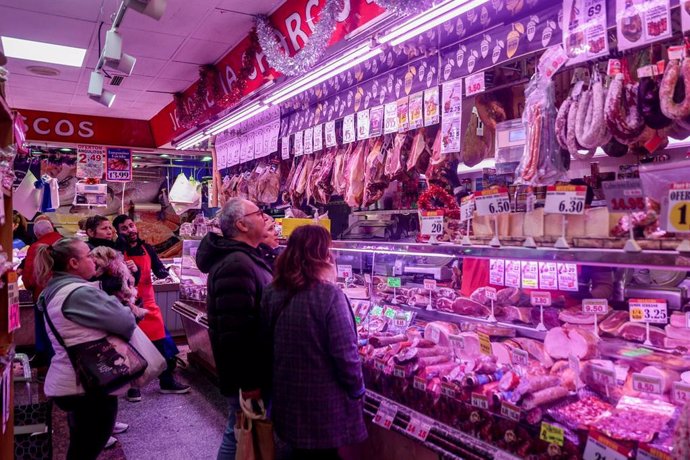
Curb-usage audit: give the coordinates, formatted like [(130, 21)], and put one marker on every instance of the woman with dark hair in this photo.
[(317, 382), (80, 313), (20, 231), (100, 232)]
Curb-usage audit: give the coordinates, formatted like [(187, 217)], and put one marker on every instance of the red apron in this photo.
[(152, 324)]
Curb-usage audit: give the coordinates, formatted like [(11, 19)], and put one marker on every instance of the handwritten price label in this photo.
[(539, 298), (491, 293), (399, 371), (419, 383), (624, 195), (552, 60), (418, 428), (647, 383), (510, 411), (681, 393), (467, 208), (492, 202), (520, 357), (331, 140), (479, 401), (484, 344), (551, 434), (595, 306), (475, 84), (447, 390), (565, 199), (344, 271), (603, 376), (385, 415), (429, 285), (648, 311), (390, 118)]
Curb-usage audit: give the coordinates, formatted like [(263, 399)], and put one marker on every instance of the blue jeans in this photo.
[(228, 447)]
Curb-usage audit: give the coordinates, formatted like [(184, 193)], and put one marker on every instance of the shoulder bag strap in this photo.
[(60, 295)]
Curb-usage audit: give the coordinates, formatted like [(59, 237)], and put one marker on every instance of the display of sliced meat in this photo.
[(493, 330), (507, 296), (374, 179), (679, 319), (574, 315), (502, 353), (465, 306), (583, 343), (536, 349), (550, 315), (681, 333), (543, 397), (418, 149), (674, 93), (397, 158), (354, 175), (471, 348), (322, 178), (557, 343), (637, 332), (614, 322), (512, 314)]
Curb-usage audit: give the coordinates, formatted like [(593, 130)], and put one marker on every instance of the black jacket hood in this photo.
[(214, 248)]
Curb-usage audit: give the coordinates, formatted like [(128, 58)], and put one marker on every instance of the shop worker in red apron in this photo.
[(146, 259)]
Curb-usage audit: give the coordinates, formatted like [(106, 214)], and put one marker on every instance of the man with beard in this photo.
[(237, 275), (147, 261)]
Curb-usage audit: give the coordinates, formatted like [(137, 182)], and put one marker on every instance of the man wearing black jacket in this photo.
[(237, 275)]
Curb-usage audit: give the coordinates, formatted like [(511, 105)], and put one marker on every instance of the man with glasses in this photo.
[(237, 275)]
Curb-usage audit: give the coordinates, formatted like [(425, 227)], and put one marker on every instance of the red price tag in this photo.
[(475, 84)]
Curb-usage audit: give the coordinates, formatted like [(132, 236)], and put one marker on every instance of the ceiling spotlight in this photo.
[(95, 84), (151, 8), (106, 98), (113, 55)]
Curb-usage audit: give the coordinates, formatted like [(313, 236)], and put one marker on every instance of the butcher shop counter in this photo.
[(195, 323)]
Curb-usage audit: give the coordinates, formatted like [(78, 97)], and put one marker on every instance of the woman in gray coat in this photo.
[(317, 374)]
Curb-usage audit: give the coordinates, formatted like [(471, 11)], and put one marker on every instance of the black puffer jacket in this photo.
[(237, 275)]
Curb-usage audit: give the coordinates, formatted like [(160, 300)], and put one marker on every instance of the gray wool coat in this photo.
[(317, 374)]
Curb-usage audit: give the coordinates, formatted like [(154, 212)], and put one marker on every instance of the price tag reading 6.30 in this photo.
[(565, 199)]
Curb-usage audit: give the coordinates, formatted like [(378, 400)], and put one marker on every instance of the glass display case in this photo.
[(483, 352)]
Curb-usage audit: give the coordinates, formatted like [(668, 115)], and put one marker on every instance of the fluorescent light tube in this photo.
[(429, 19), (42, 52), (343, 66), (192, 141), (237, 117)]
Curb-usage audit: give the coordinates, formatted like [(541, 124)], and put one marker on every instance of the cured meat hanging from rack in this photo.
[(339, 166), (590, 129), (674, 93), (322, 178), (253, 183), (268, 187), (311, 179), (649, 103), (476, 146), (374, 178), (419, 148), (294, 197), (562, 123), (622, 117), (303, 179), (243, 185), (354, 175), (439, 163), (397, 158)]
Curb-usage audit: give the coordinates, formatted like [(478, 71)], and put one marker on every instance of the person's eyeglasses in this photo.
[(258, 211)]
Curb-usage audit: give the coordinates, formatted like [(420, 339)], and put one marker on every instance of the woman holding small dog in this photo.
[(83, 314)]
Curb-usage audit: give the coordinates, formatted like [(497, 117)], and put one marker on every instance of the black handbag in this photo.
[(103, 365)]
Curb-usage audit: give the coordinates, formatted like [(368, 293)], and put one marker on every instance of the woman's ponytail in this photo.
[(53, 258)]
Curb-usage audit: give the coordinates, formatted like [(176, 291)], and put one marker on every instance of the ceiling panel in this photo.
[(33, 83), (77, 9), (170, 85), (180, 71), (219, 23), (19, 67), (154, 98), (201, 51), (140, 43), (250, 7), (148, 67), (45, 28), (179, 19), (135, 82)]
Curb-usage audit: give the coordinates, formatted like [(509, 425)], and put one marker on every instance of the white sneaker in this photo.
[(111, 442), (120, 427)]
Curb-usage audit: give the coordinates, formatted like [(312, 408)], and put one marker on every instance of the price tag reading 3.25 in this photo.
[(648, 311), (565, 199)]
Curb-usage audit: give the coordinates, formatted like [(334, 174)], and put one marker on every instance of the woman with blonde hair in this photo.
[(79, 313)]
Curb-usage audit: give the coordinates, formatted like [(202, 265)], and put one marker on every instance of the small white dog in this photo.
[(110, 262)]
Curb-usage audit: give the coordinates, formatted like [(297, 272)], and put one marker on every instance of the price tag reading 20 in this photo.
[(492, 201), (648, 311), (431, 222), (565, 199)]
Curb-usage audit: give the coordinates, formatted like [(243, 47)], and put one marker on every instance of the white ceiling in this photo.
[(168, 52)]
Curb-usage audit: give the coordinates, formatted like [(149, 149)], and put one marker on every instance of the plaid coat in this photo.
[(317, 373)]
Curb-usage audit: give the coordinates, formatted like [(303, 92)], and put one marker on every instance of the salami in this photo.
[(621, 114), (571, 137), (671, 103), (562, 123), (649, 104), (544, 397), (590, 129)]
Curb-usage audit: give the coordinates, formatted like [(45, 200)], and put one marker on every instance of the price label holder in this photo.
[(479, 401), (492, 202), (540, 299), (467, 207), (647, 452), (484, 343), (431, 224), (418, 427), (604, 376), (385, 415), (492, 296), (430, 285), (625, 195), (599, 447), (681, 393), (551, 434), (520, 357), (345, 272), (399, 372), (475, 84), (650, 384), (394, 282), (418, 383), (511, 411), (564, 200), (379, 365), (678, 212), (648, 311), (457, 342), (448, 390), (595, 307)]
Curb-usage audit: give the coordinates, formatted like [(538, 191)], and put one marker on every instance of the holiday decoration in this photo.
[(404, 7), (240, 84), (313, 50), (436, 198)]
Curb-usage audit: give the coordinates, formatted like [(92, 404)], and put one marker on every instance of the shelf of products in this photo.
[(487, 388)]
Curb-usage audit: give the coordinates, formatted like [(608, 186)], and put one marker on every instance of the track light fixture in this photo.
[(151, 8)]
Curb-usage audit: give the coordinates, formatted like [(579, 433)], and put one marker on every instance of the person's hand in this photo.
[(132, 266)]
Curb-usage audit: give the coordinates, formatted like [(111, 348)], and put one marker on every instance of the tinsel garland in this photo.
[(404, 7), (437, 198), (183, 115), (240, 84), (313, 50)]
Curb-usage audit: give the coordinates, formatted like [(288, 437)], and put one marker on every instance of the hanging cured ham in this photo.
[(354, 175)]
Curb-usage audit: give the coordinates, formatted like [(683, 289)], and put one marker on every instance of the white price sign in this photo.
[(331, 140), (678, 210), (648, 311), (299, 143), (318, 138), (603, 376), (475, 84), (479, 401), (681, 393), (600, 448), (429, 285), (520, 357), (418, 428), (510, 411), (539, 298), (466, 208), (457, 342), (390, 118), (285, 148), (595, 306), (491, 293), (349, 132), (385, 415), (344, 271), (363, 125), (432, 222), (565, 199), (492, 201), (90, 161), (308, 141), (647, 383)]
